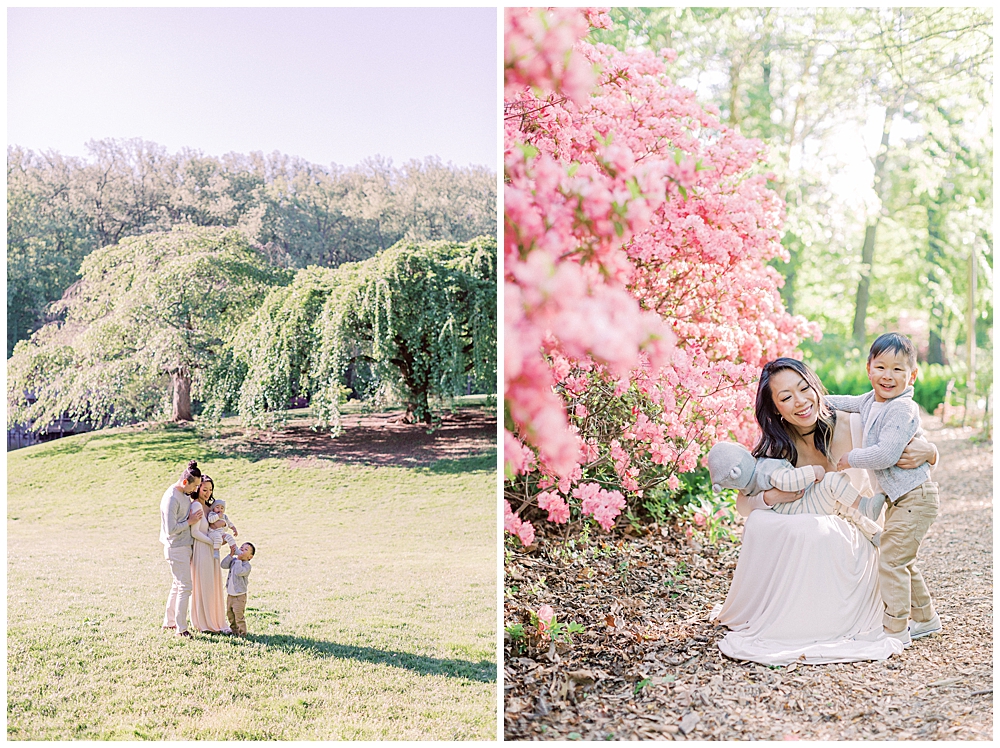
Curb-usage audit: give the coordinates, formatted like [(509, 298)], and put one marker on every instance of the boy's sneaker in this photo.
[(871, 506), (901, 636), (920, 629)]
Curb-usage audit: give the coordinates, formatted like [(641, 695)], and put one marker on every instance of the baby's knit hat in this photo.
[(730, 466)]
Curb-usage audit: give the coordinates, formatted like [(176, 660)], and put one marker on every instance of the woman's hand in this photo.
[(917, 452), (774, 496)]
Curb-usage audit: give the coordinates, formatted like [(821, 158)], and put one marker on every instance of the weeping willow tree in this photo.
[(133, 338), (420, 317)]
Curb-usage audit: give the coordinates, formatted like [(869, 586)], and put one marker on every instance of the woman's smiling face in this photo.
[(796, 402)]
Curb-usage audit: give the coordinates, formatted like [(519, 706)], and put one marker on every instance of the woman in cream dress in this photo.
[(805, 587), (208, 603)]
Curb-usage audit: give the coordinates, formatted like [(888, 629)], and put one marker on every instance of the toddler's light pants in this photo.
[(903, 590), (236, 606)]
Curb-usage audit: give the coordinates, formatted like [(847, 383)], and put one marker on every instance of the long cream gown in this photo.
[(806, 590), (208, 603)]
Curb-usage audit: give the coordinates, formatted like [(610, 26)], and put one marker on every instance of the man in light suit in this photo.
[(175, 534)]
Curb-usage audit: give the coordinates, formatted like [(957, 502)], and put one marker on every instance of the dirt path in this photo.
[(647, 665)]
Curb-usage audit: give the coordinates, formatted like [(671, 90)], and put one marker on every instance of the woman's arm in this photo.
[(916, 453), (196, 532), (746, 504)]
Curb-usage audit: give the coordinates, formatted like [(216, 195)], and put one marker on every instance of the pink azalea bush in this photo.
[(638, 303)]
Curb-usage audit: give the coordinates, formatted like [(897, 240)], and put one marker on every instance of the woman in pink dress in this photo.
[(208, 603)]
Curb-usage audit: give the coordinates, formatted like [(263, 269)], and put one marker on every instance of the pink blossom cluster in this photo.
[(602, 504), (546, 615), (538, 51), (513, 524), (639, 306)]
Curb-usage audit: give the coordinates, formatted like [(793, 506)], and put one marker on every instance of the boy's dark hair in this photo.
[(897, 343), (253, 551)]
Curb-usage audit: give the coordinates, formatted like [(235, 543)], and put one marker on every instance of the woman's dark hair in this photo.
[(774, 440), (191, 472), (206, 479)]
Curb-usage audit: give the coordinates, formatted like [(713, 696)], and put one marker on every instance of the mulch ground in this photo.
[(647, 665), (372, 439)]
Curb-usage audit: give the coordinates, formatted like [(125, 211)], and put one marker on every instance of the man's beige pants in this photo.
[(236, 606), (903, 590), (176, 613)]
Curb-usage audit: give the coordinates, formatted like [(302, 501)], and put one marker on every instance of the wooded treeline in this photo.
[(895, 249), (196, 319), (62, 208)]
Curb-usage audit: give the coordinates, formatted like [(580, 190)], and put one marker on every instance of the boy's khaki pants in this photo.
[(236, 606), (903, 590)]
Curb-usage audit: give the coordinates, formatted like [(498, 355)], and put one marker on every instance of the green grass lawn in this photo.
[(374, 617)]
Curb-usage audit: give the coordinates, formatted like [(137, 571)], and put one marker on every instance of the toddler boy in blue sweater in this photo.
[(891, 418), (238, 564)]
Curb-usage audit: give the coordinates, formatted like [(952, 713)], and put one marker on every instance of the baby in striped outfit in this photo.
[(219, 526), (732, 466)]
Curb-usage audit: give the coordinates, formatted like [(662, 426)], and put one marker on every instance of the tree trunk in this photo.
[(864, 285), (868, 248), (767, 127), (181, 381), (971, 333), (935, 243), (416, 390), (734, 93)]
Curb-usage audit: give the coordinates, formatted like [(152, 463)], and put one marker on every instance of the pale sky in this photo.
[(332, 85)]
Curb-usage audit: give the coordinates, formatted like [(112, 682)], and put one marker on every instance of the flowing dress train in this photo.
[(208, 603), (806, 590)]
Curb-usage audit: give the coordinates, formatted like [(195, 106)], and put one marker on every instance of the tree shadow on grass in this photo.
[(374, 439), (464, 442), (482, 671), (157, 443)]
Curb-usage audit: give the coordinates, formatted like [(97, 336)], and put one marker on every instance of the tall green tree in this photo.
[(420, 317), (134, 335), (47, 237)]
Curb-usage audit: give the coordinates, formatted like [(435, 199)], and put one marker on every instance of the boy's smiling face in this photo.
[(890, 373), (245, 552)]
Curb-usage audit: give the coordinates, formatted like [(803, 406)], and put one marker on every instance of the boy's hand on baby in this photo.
[(820, 472)]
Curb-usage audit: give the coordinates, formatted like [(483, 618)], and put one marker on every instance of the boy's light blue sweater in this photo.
[(886, 439)]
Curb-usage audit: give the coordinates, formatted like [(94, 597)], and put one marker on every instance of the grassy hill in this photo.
[(372, 606)]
